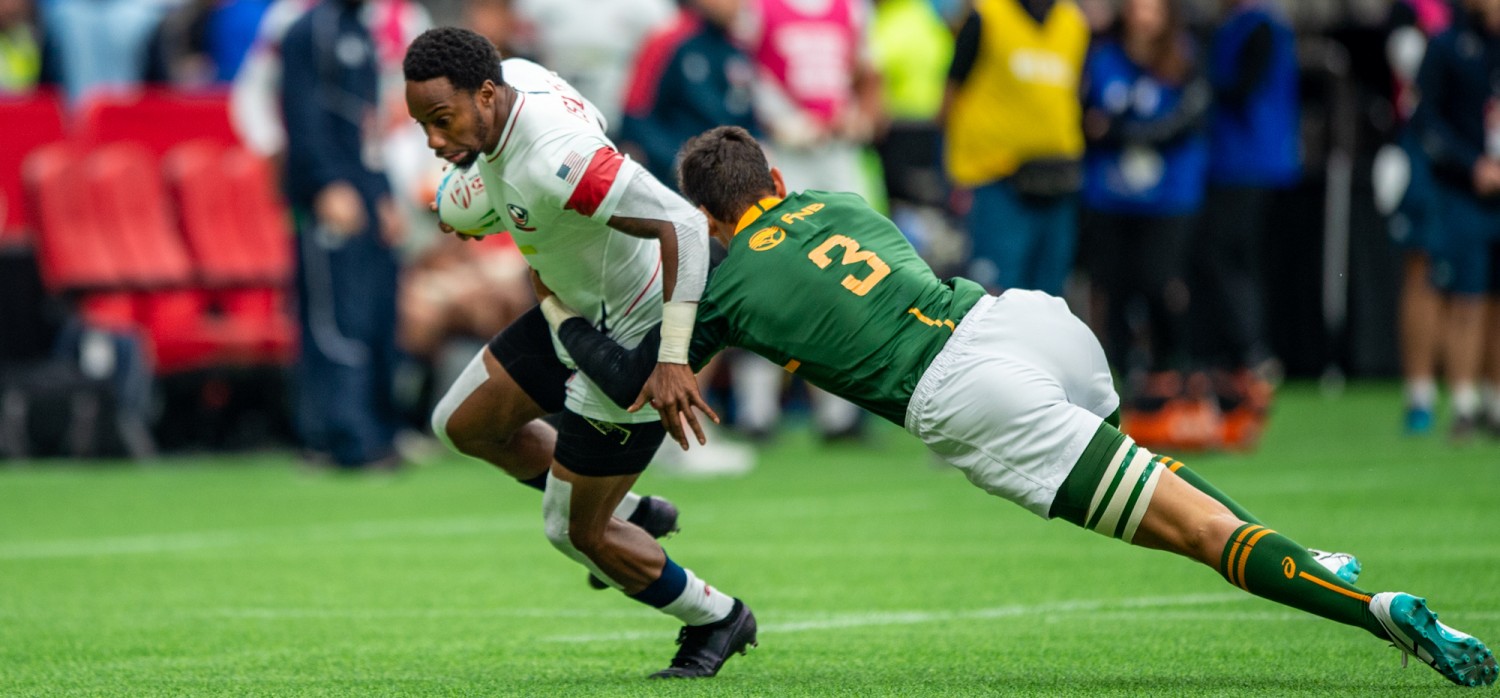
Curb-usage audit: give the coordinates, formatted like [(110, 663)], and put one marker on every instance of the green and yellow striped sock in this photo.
[(1274, 567), (1202, 485)]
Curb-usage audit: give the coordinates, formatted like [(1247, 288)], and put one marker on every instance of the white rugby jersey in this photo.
[(556, 180)]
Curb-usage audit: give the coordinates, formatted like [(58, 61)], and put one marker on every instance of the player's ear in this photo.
[(714, 224), (779, 182), (485, 95)]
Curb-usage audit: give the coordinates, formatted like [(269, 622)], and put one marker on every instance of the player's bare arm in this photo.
[(672, 388)]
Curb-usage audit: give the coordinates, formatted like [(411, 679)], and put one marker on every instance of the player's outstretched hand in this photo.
[(673, 390)]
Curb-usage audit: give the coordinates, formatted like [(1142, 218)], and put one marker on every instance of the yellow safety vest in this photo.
[(1020, 101)]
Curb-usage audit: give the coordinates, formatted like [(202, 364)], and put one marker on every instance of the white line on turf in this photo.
[(283, 535), (867, 619)]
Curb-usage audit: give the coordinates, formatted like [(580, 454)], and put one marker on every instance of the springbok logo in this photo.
[(766, 238)]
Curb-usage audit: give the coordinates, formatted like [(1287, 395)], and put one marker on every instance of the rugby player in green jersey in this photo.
[(1012, 390)]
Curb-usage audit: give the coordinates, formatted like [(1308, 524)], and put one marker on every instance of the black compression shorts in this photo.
[(525, 349), (599, 449)]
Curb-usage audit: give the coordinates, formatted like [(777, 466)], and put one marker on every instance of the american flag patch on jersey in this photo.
[(572, 168)]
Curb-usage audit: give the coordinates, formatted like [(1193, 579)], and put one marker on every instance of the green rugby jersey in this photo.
[(833, 292)]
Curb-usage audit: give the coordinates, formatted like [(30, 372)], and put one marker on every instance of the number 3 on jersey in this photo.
[(852, 255)]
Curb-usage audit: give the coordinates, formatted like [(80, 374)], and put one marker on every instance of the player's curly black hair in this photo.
[(724, 170), (464, 57)]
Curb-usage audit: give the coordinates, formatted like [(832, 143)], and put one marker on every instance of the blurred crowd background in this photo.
[(216, 232)]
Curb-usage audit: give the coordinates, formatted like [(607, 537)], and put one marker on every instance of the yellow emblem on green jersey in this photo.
[(766, 238)]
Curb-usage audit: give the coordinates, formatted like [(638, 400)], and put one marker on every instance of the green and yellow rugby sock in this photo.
[(1202, 485), (1274, 567)]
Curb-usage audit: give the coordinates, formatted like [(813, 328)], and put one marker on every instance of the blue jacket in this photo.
[(1153, 160), (688, 78), (1254, 135), (329, 92), (1457, 93)]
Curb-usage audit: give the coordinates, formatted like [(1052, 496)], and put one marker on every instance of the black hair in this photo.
[(464, 57), (725, 171)]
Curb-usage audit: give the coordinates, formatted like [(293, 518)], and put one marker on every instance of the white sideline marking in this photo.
[(288, 535), (858, 620)]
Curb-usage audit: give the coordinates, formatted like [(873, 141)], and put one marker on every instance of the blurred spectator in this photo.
[(1458, 122), (257, 86), (689, 77), (1014, 136), (20, 47), (819, 98), (493, 20), (1254, 149), (455, 296), (912, 47), (101, 44), (1144, 175), (1404, 192), (346, 228), (591, 44), (203, 42)]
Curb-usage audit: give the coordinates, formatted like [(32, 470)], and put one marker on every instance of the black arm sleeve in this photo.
[(965, 50), (619, 372), (1250, 69)]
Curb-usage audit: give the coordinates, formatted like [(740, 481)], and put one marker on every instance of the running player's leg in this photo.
[(494, 411), (596, 463)]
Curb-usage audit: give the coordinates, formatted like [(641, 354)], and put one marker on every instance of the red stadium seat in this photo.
[(238, 236), (155, 118), (28, 123), (72, 247)]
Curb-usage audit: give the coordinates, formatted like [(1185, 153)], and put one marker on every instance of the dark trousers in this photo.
[(1140, 263), (346, 301), (1228, 309)]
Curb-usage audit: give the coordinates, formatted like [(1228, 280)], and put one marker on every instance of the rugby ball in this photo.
[(464, 205)]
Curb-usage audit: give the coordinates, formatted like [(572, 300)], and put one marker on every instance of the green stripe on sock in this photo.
[(1113, 485), (1077, 490), (1135, 494)]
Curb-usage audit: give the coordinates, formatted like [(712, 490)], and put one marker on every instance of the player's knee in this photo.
[(1206, 537), (586, 540)]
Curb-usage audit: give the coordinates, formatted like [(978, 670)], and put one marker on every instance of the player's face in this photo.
[(1146, 18), (458, 124)]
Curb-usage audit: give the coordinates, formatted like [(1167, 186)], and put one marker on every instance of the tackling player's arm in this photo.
[(647, 209)]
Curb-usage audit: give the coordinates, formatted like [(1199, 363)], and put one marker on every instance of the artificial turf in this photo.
[(872, 570)]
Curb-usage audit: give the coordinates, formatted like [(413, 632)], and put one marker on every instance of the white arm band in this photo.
[(677, 319), (556, 313), (648, 199)]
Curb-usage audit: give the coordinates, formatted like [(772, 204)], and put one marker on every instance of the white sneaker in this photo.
[(720, 457), (1342, 565)]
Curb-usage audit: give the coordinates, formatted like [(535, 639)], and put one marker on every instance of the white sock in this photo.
[(1421, 393), (1465, 400), (757, 392), (833, 413), (627, 506), (699, 603), (1492, 401)]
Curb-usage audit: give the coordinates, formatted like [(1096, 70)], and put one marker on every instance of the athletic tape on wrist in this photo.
[(677, 319), (555, 312)]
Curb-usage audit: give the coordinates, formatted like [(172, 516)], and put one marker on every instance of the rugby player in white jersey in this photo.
[(626, 252)]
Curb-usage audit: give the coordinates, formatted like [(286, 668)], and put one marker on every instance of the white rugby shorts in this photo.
[(1015, 396)]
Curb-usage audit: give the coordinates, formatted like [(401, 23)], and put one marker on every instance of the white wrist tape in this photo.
[(555, 312), (677, 319)]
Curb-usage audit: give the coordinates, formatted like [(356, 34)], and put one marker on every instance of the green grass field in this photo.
[(872, 573)]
